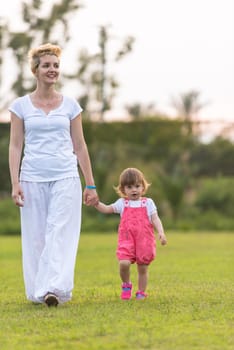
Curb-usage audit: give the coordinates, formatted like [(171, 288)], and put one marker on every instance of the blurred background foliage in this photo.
[(192, 181)]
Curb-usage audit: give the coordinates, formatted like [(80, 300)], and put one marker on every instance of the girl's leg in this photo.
[(142, 277), (124, 270)]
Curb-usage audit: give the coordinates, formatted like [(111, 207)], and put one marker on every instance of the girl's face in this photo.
[(48, 69), (134, 192)]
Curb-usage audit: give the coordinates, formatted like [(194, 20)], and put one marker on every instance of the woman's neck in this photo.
[(46, 99), (45, 93)]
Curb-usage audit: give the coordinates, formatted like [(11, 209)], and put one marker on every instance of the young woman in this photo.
[(46, 185)]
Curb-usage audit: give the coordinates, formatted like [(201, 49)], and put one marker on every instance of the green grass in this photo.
[(190, 303)]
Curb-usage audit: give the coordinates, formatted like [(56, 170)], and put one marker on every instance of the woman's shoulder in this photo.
[(19, 100), (69, 99), (19, 105), (73, 105)]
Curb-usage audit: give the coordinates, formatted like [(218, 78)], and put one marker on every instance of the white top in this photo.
[(48, 149), (118, 206)]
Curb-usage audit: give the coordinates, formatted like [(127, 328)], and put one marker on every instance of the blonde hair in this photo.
[(42, 50), (131, 176)]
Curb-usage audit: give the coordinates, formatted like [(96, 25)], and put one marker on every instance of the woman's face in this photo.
[(48, 69)]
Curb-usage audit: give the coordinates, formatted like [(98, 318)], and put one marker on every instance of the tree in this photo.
[(188, 105), (37, 29), (138, 111), (3, 46), (174, 188), (213, 159), (99, 87)]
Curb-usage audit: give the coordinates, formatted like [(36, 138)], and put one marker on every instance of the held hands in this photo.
[(90, 197)]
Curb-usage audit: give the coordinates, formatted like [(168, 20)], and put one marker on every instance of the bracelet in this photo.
[(90, 187)]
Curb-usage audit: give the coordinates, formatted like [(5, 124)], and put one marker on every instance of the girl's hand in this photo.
[(17, 195), (163, 239), (90, 197)]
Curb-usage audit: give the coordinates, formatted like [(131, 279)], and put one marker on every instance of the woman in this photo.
[(47, 186)]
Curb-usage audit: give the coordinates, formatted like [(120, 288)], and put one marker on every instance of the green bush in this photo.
[(210, 209), (213, 220), (216, 194), (10, 218), (91, 219)]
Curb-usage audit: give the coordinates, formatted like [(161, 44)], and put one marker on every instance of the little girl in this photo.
[(136, 239)]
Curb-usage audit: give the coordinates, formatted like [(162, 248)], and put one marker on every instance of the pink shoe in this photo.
[(141, 295), (126, 291)]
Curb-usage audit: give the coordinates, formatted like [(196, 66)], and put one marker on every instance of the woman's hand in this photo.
[(17, 195), (90, 197)]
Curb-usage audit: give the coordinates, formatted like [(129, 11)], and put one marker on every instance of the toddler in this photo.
[(136, 239)]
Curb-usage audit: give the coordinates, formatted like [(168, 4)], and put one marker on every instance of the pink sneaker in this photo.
[(126, 291), (140, 295)]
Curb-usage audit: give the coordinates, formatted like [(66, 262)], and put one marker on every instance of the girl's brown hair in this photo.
[(131, 176), (42, 50)]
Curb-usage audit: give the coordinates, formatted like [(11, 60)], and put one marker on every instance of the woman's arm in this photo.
[(15, 151), (80, 148)]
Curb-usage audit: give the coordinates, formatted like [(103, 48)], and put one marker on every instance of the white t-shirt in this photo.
[(48, 149), (118, 206)]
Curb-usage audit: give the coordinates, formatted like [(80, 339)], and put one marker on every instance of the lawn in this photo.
[(190, 303)]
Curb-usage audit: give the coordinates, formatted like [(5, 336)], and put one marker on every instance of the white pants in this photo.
[(50, 228)]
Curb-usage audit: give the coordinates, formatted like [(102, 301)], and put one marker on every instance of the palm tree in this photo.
[(188, 105), (99, 87)]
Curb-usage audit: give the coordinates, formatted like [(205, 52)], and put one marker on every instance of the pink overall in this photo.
[(136, 239)]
